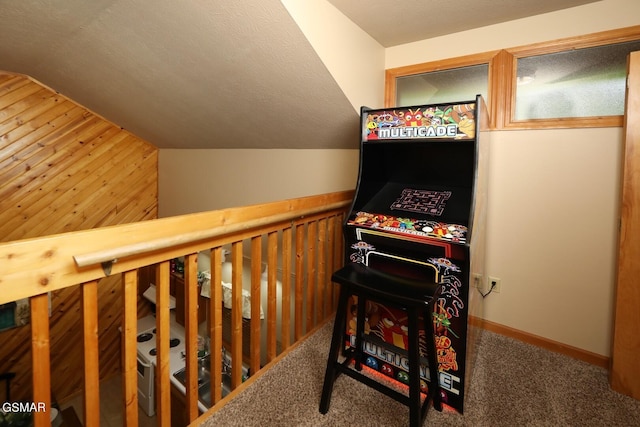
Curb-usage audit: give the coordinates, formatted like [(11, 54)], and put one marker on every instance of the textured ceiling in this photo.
[(215, 74), (394, 23), (197, 74)]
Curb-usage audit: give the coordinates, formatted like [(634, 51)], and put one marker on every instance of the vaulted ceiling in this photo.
[(217, 74)]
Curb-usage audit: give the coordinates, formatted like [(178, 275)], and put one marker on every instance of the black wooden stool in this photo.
[(416, 298)]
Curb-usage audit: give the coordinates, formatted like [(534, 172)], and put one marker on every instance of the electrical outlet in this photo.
[(476, 281), (495, 282)]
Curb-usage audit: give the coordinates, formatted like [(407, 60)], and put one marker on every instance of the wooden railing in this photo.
[(304, 245)]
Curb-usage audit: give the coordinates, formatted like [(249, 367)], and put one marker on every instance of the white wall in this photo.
[(552, 233), (355, 60), (553, 194), (201, 180)]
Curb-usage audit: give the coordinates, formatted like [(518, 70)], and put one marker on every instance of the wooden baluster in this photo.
[(191, 333), (256, 299), (331, 262), (299, 282), (286, 288), (236, 314), (129, 347), (215, 308), (41, 358), (163, 390), (312, 230), (322, 270), (91, 388), (272, 308)]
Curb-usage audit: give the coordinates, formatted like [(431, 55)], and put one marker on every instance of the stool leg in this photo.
[(337, 341), (359, 351), (415, 408), (430, 338)]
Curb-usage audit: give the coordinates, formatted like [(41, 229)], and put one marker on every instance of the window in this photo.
[(439, 81), (573, 82), (458, 84), (586, 82)]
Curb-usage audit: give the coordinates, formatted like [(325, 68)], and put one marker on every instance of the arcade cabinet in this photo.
[(418, 212)]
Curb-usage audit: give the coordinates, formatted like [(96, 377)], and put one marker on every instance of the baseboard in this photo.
[(538, 341)]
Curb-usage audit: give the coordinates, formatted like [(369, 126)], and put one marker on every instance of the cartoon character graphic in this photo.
[(388, 120), (457, 232), (413, 118), (387, 370), (394, 333), (443, 324), (372, 316), (372, 127), (441, 230), (423, 226), (430, 115), (390, 222), (406, 224), (463, 114), (371, 362), (447, 355), (403, 377), (445, 265), (363, 218), (362, 249)]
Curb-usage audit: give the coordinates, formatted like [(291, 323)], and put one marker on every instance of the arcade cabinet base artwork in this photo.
[(386, 337)]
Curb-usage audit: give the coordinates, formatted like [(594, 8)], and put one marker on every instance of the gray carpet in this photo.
[(513, 384)]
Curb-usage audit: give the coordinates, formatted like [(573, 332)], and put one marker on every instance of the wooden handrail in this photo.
[(35, 266), (114, 254)]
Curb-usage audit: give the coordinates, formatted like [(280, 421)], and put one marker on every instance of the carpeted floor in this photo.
[(513, 384)]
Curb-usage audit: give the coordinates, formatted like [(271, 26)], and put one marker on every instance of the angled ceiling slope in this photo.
[(216, 74), (395, 23)]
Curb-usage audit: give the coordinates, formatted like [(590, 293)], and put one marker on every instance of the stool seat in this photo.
[(379, 284), (417, 298)]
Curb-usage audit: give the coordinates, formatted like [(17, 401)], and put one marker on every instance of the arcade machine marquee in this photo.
[(415, 214)]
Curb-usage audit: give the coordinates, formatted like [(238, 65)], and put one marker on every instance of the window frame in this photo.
[(502, 66), (392, 74)]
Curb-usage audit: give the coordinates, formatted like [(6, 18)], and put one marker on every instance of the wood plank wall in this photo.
[(63, 168)]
